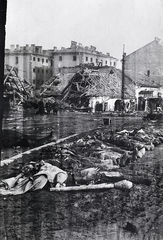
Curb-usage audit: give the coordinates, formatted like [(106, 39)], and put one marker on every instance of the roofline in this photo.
[(141, 48)]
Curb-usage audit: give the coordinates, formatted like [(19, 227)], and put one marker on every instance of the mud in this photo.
[(100, 214)]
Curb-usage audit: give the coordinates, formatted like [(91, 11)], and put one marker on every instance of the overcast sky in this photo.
[(106, 24)]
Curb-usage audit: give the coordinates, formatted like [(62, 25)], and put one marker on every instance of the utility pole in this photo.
[(123, 78)]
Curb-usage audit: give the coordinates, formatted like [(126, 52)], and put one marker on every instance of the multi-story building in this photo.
[(37, 65), (32, 63), (77, 55)]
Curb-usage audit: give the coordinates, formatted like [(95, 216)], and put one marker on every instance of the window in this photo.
[(106, 62), (16, 60), (86, 58), (38, 70), (46, 71), (60, 58), (114, 64), (38, 59), (96, 60), (42, 70), (33, 58), (91, 59), (46, 60), (34, 81), (34, 70), (42, 60), (110, 63), (74, 58), (51, 63)]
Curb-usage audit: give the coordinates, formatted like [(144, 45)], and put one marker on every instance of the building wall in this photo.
[(83, 55), (22, 64), (149, 57), (33, 63)]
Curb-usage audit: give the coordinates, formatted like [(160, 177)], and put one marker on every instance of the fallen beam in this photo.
[(123, 184), (83, 187)]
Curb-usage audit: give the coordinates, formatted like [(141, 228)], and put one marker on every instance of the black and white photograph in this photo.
[(81, 112)]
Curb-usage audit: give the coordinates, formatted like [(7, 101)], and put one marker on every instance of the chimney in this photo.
[(92, 48), (148, 73), (54, 48), (17, 46), (33, 47), (12, 47), (27, 47), (108, 54), (157, 39), (40, 49), (73, 44)]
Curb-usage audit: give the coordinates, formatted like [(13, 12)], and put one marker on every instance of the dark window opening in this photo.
[(46, 60), (91, 59), (38, 70), (110, 63), (60, 58), (38, 59), (16, 60), (106, 62), (34, 70), (114, 64), (46, 71), (51, 63), (42, 60), (86, 58), (74, 58), (33, 58)]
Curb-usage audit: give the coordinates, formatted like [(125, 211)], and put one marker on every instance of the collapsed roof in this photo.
[(98, 82), (14, 85)]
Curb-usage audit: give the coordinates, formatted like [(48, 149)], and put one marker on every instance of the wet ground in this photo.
[(108, 214)]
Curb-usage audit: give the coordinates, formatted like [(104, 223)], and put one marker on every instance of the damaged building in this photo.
[(99, 89)]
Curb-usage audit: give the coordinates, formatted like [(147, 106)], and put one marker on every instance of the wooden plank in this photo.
[(83, 187)]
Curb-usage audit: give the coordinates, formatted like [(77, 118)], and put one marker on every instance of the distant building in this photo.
[(146, 63), (32, 63), (37, 65), (77, 55)]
